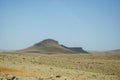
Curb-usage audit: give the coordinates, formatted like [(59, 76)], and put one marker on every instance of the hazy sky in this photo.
[(91, 24)]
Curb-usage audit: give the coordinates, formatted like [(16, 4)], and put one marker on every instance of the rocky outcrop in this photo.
[(76, 49)]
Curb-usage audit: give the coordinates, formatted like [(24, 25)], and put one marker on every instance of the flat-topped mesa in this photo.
[(76, 49)]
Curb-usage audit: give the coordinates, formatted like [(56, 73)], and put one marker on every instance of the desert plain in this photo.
[(35, 66), (49, 60)]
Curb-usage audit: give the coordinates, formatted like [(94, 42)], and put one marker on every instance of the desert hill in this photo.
[(114, 52), (52, 46)]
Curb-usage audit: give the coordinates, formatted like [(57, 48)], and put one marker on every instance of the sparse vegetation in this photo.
[(69, 67)]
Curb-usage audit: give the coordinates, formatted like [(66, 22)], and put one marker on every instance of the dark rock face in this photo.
[(76, 49)]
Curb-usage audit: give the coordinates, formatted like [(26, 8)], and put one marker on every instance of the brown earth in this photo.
[(32, 66)]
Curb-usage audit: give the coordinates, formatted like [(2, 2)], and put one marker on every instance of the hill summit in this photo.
[(52, 46), (48, 43)]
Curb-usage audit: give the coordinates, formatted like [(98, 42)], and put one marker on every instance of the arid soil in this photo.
[(25, 66)]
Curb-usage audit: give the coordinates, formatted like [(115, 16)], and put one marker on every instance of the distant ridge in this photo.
[(117, 51), (52, 46), (76, 49)]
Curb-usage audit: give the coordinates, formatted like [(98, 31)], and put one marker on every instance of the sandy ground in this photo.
[(59, 67)]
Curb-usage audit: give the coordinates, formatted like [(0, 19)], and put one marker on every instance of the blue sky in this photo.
[(91, 24)]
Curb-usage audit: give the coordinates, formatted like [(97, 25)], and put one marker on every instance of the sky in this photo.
[(91, 24)]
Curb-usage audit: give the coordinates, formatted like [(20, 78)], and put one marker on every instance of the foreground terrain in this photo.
[(25, 66)]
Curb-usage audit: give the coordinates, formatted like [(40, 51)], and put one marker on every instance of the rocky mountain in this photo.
[(52, 46)]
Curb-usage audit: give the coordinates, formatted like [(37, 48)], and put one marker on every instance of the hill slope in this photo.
[(52, 46)]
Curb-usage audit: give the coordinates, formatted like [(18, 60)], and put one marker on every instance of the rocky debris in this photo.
[(58, 76), (4, 76)]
